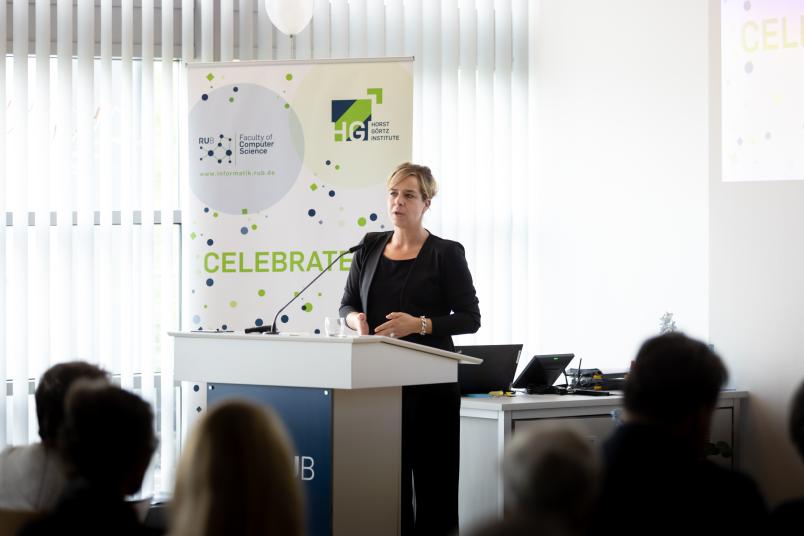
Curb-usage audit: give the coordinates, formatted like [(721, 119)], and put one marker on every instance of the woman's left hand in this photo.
[(398, 325)]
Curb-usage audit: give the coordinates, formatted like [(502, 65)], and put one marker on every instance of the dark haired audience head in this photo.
[(677, 363), (107, 438), (797, 420), (32, 477), (655, 463), (786, 518), (51, 392)]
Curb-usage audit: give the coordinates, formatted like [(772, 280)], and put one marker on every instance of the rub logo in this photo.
[(218, 148), (351, 118)]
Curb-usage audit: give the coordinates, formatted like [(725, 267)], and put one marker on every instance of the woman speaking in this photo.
[(412, 285)]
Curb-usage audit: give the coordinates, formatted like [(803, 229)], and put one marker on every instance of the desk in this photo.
[(487, 425)]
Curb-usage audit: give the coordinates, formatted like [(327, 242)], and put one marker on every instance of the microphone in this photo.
[(272, 330)]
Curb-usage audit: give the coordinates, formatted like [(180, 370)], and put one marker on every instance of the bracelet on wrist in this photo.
[(423, 331)]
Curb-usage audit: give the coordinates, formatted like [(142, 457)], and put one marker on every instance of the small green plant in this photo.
[(721, 448)]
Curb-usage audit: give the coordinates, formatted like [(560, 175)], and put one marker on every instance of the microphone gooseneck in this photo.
[(272, 330)]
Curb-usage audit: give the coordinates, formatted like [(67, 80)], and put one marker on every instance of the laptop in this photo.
[(496, 371), (542, 372)]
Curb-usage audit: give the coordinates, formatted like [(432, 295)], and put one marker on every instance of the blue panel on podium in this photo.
[(307, 414)]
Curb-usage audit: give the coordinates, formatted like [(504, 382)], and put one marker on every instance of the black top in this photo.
[(787, 518), (389, 281), (439, 286), (86, 510), (654, 485)]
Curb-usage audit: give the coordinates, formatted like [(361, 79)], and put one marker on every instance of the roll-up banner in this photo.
[(287, 169)]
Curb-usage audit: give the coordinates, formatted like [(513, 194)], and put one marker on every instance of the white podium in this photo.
[(341, 401)]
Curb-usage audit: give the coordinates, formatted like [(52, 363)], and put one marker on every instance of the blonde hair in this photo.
[(549, 468), (427, 184), (236, 476)]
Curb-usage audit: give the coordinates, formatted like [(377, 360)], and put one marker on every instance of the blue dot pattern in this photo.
[(258, 322), (285, 319), (210, 282), (311, 212), (373, 217), (244, 230)]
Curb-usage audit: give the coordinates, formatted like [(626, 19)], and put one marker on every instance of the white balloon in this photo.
[(290, 16)]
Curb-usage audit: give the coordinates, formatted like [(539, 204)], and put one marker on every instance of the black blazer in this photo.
[(439, 287)]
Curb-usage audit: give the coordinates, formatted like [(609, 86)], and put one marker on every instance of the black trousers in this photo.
[(430, 459)]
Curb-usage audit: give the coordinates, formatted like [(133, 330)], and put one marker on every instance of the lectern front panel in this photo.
[(307, 414)]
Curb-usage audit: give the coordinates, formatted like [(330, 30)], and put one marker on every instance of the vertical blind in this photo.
[(91, 140)]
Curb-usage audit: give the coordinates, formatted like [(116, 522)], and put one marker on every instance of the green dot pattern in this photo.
[(361, 221), (261, 292)]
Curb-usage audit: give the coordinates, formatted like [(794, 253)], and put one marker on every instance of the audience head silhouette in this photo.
[(675, 362), (787, 516), (797, 420), (51, 392), (108, 437), (551, 473), (655, 463), (236, 476)]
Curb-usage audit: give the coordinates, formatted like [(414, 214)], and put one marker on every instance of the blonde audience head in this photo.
[(551, 472), (236, 476)]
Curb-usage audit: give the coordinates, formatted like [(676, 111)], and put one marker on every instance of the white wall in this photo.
[(757, 306), (621, 107)]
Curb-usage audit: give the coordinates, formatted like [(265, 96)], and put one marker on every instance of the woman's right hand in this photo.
[(357, 321)]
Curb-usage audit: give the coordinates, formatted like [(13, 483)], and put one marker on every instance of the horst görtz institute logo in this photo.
[(217, 148), (352, 119)]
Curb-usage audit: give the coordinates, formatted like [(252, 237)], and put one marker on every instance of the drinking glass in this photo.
[(335, 326)]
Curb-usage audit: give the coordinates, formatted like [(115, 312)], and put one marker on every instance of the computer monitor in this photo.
[(542, 372), (496, 371)]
